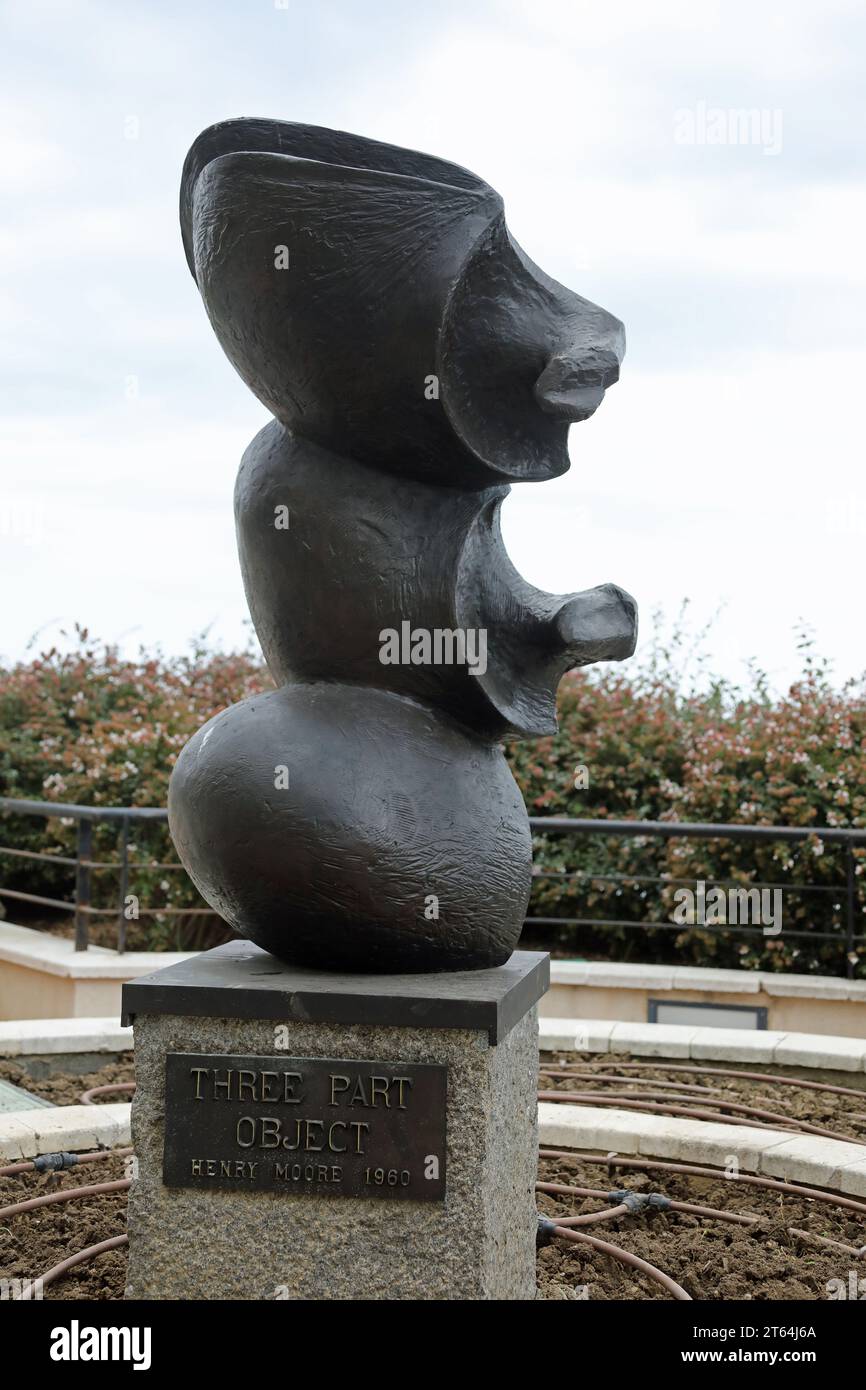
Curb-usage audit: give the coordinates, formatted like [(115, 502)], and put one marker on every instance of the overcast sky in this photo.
[(726, 467)]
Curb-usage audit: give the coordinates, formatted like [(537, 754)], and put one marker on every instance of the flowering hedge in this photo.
[(648, 752), (92, 727)]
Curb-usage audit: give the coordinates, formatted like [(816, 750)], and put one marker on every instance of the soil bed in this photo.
[(34, 1241), (712, 1259), (65, 1089), (845, 1115)]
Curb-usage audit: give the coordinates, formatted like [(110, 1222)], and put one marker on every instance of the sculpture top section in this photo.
[(402, 272)]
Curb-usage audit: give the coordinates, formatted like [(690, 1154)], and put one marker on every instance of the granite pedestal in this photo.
[(305, 1135)]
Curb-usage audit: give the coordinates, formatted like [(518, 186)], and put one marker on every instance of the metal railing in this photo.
[(85, 865), (848, 940)]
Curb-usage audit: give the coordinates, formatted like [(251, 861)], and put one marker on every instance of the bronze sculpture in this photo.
[(362, 815)]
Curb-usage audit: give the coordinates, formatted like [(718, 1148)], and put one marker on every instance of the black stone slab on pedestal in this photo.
[(239, 980)]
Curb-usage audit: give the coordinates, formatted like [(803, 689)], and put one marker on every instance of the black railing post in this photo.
[(850, 896), (124, 884), (84, 853)]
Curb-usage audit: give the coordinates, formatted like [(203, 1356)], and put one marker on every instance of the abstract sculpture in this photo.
[(362, 815)]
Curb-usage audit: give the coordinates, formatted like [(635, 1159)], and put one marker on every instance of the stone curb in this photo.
[(76, 1128), (774, 1153), (613, 975), (35, 1037), (822, 1051), (801, 1158), (56, 955)]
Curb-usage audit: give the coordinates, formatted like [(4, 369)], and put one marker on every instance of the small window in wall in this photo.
[(707, 1015)]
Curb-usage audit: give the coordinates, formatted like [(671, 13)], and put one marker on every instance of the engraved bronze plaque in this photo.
[(309, 1125)]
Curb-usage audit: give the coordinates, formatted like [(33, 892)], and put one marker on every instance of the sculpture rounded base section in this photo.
[(342, 827)]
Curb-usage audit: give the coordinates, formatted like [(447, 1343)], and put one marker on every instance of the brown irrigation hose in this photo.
[(590, 1218), (713, 1213), (87, 1097), (615, 1161), (57, 1271), (831, 1244), (11, 1170), (66, 1194), (695, 1069), (654, 1108), (627, 1258), (763, 1119), (563, 1225), (650, 1097), (555, 1188), (589, 1075)]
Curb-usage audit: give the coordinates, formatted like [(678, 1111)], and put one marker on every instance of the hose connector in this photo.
[(47, 1163)]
